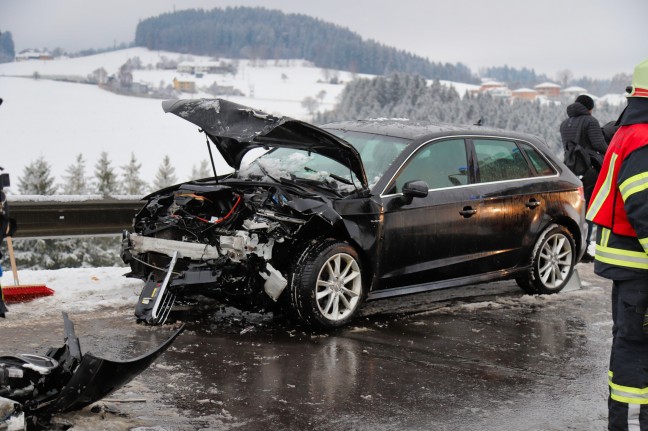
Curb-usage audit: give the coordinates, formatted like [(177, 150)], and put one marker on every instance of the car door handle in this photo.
[(533, 203), (468, 212)]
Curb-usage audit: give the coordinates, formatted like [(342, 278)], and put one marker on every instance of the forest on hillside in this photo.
[(409, 96), (259, 33)]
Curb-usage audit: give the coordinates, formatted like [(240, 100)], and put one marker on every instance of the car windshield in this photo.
[(378, 152), (292, 164)]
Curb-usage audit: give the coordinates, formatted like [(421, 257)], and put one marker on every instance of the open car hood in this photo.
[(236, 129)]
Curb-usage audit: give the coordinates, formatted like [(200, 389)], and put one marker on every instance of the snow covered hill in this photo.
[(58, 120)]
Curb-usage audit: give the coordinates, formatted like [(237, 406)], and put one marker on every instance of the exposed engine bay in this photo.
[(229, 240), (35, 387)]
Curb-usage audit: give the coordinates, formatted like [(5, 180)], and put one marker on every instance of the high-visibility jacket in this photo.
[(607, 207), (617, 203)]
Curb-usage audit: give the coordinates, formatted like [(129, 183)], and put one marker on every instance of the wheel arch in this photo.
[(345, 231), (573, 228)]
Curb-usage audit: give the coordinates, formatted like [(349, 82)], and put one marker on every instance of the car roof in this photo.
[(416, 130)]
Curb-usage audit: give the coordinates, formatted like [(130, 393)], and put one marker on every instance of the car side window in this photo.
[(540, 164), (499, 160), (440, 164)]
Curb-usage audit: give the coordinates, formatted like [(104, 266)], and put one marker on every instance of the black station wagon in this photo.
[(317, 220)]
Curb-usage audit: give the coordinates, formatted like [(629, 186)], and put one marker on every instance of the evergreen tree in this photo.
[(165, 176), (7, 52), (133, 184), (76, 182), (37, 179), (409, 97), (64, 252), (203, 171), (105, 177)]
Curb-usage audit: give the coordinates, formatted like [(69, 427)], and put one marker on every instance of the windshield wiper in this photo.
[(320, 184), (341, 179), (265, 171), (334, 176)]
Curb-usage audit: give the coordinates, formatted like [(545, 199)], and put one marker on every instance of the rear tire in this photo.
[(552, 262), (326, 286)]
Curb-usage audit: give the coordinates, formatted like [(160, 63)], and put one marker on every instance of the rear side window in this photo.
[(500, 160), (540, 164), (440, 164)]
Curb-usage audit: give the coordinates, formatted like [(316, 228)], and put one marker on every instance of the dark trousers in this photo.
[(589, 180), (3, 307), (628, 402)]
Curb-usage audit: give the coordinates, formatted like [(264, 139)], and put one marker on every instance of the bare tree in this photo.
[(564, 77), (311, 104)]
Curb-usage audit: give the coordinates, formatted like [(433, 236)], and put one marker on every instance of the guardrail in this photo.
[(69, 216)]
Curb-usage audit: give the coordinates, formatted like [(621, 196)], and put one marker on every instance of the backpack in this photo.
[(578, 159)]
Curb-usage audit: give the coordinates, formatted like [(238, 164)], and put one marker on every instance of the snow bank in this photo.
[(76, 290)]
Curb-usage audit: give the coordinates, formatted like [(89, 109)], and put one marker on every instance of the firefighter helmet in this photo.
[(640, 81)]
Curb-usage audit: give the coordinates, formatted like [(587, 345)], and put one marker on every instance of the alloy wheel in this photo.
[(339, 285), (555, 260)]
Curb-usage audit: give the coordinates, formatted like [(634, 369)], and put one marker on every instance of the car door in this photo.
[(426, 239), (512, 200)]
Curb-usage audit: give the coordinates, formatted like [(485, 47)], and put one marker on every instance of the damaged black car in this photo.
[(317, 220)]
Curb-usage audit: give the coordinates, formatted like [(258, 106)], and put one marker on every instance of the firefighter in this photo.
[(619, 208)]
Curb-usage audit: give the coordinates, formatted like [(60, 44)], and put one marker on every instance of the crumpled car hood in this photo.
[(236, 129)]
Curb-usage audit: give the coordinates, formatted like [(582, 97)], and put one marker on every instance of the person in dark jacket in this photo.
[(619, 209), (609, 129), (580, 122), (7, 227)]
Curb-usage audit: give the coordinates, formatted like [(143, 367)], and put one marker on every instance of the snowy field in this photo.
[(59, 120)]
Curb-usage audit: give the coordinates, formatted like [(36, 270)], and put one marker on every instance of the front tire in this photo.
[(326, 288), (552, 262)]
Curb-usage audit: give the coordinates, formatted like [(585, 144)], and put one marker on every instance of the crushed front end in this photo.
[(224, 240), (232, 237)]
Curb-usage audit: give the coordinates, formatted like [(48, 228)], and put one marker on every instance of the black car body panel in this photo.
[(445, 205)]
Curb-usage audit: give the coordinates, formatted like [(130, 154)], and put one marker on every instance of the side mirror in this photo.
[(414, 189), (4, 181)]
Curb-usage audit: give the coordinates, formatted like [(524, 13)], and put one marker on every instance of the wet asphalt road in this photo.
[(483, 357)]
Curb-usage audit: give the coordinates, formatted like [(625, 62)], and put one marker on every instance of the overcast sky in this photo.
[(596, 38)]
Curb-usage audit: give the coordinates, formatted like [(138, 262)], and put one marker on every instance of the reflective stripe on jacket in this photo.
[(620, 251), (607, 204)]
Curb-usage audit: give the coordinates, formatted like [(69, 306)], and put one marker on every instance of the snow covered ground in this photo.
[(79, 290), (76, 290)]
